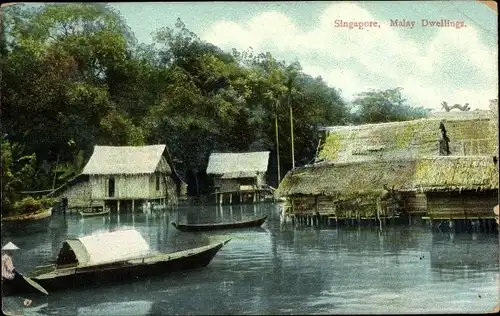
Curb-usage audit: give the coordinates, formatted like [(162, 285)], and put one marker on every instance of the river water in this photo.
[(278, 269)]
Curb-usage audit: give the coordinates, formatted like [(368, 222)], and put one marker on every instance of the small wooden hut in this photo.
[(240, 174), (124, 175), (392, 168)]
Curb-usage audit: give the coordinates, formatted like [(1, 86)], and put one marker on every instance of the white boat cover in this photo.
[(106, 247)]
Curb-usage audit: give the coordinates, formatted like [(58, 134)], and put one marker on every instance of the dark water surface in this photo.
[(279, 270)]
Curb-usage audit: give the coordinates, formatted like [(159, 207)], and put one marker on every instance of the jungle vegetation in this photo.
[(74, 76)]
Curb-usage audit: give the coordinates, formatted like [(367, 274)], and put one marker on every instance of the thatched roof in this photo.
[(107, 247), (233, 164), (345, 181), (126, 160), (468, 134)]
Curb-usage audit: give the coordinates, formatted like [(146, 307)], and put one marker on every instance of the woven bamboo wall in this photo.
[(415, 203), (461, 204)]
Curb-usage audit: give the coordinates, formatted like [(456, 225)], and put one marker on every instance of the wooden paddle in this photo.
[(35, 285)]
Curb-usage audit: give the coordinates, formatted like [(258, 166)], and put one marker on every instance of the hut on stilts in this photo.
[(124, 177), (239, 175), (442, 169)]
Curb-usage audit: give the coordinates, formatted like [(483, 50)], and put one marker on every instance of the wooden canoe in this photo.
[(88, 214), (35, 216), (218, 226), (27, 223), (84, 263)]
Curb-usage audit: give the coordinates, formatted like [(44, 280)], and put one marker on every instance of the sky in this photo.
[(432, 64)]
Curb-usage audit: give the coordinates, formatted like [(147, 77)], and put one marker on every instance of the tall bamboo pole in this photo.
[(277, 142), (291, 129)]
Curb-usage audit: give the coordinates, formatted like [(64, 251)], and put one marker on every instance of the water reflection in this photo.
[(464, 251), (278, 269)]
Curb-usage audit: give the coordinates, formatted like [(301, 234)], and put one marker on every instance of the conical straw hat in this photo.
[(10, 246)]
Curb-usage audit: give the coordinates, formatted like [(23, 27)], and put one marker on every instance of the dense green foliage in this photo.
[(74, 76), (30, 204), (384, 106)]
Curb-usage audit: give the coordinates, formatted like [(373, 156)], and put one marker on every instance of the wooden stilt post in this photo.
[(230, 198), (118, 205), (133, 205), (379, 207)]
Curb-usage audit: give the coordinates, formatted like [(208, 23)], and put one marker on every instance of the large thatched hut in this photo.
[(438, 186), (241, 174), (392, 168), (126, 175)]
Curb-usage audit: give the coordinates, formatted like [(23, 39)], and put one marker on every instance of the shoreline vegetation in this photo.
[(74, 76)]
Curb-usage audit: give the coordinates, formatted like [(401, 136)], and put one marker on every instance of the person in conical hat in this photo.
[(10, 246), (8, 270), (9, 273)]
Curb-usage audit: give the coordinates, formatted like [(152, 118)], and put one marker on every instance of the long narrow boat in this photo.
[(29, 217), (109, 257), (28, 222), (93, 213), (218, 226)]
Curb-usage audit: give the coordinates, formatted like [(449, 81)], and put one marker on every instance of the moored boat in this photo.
[(34, 216), (109, 257), (27, 222), (219, 226), (94, 213)]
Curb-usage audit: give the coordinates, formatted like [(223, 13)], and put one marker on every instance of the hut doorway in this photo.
[(111, 187)]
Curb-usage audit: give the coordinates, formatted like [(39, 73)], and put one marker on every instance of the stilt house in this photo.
[(392, 168), (239, 174), (119, 176)]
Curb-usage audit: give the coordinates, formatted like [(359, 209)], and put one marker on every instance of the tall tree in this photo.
[(377, 106)]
